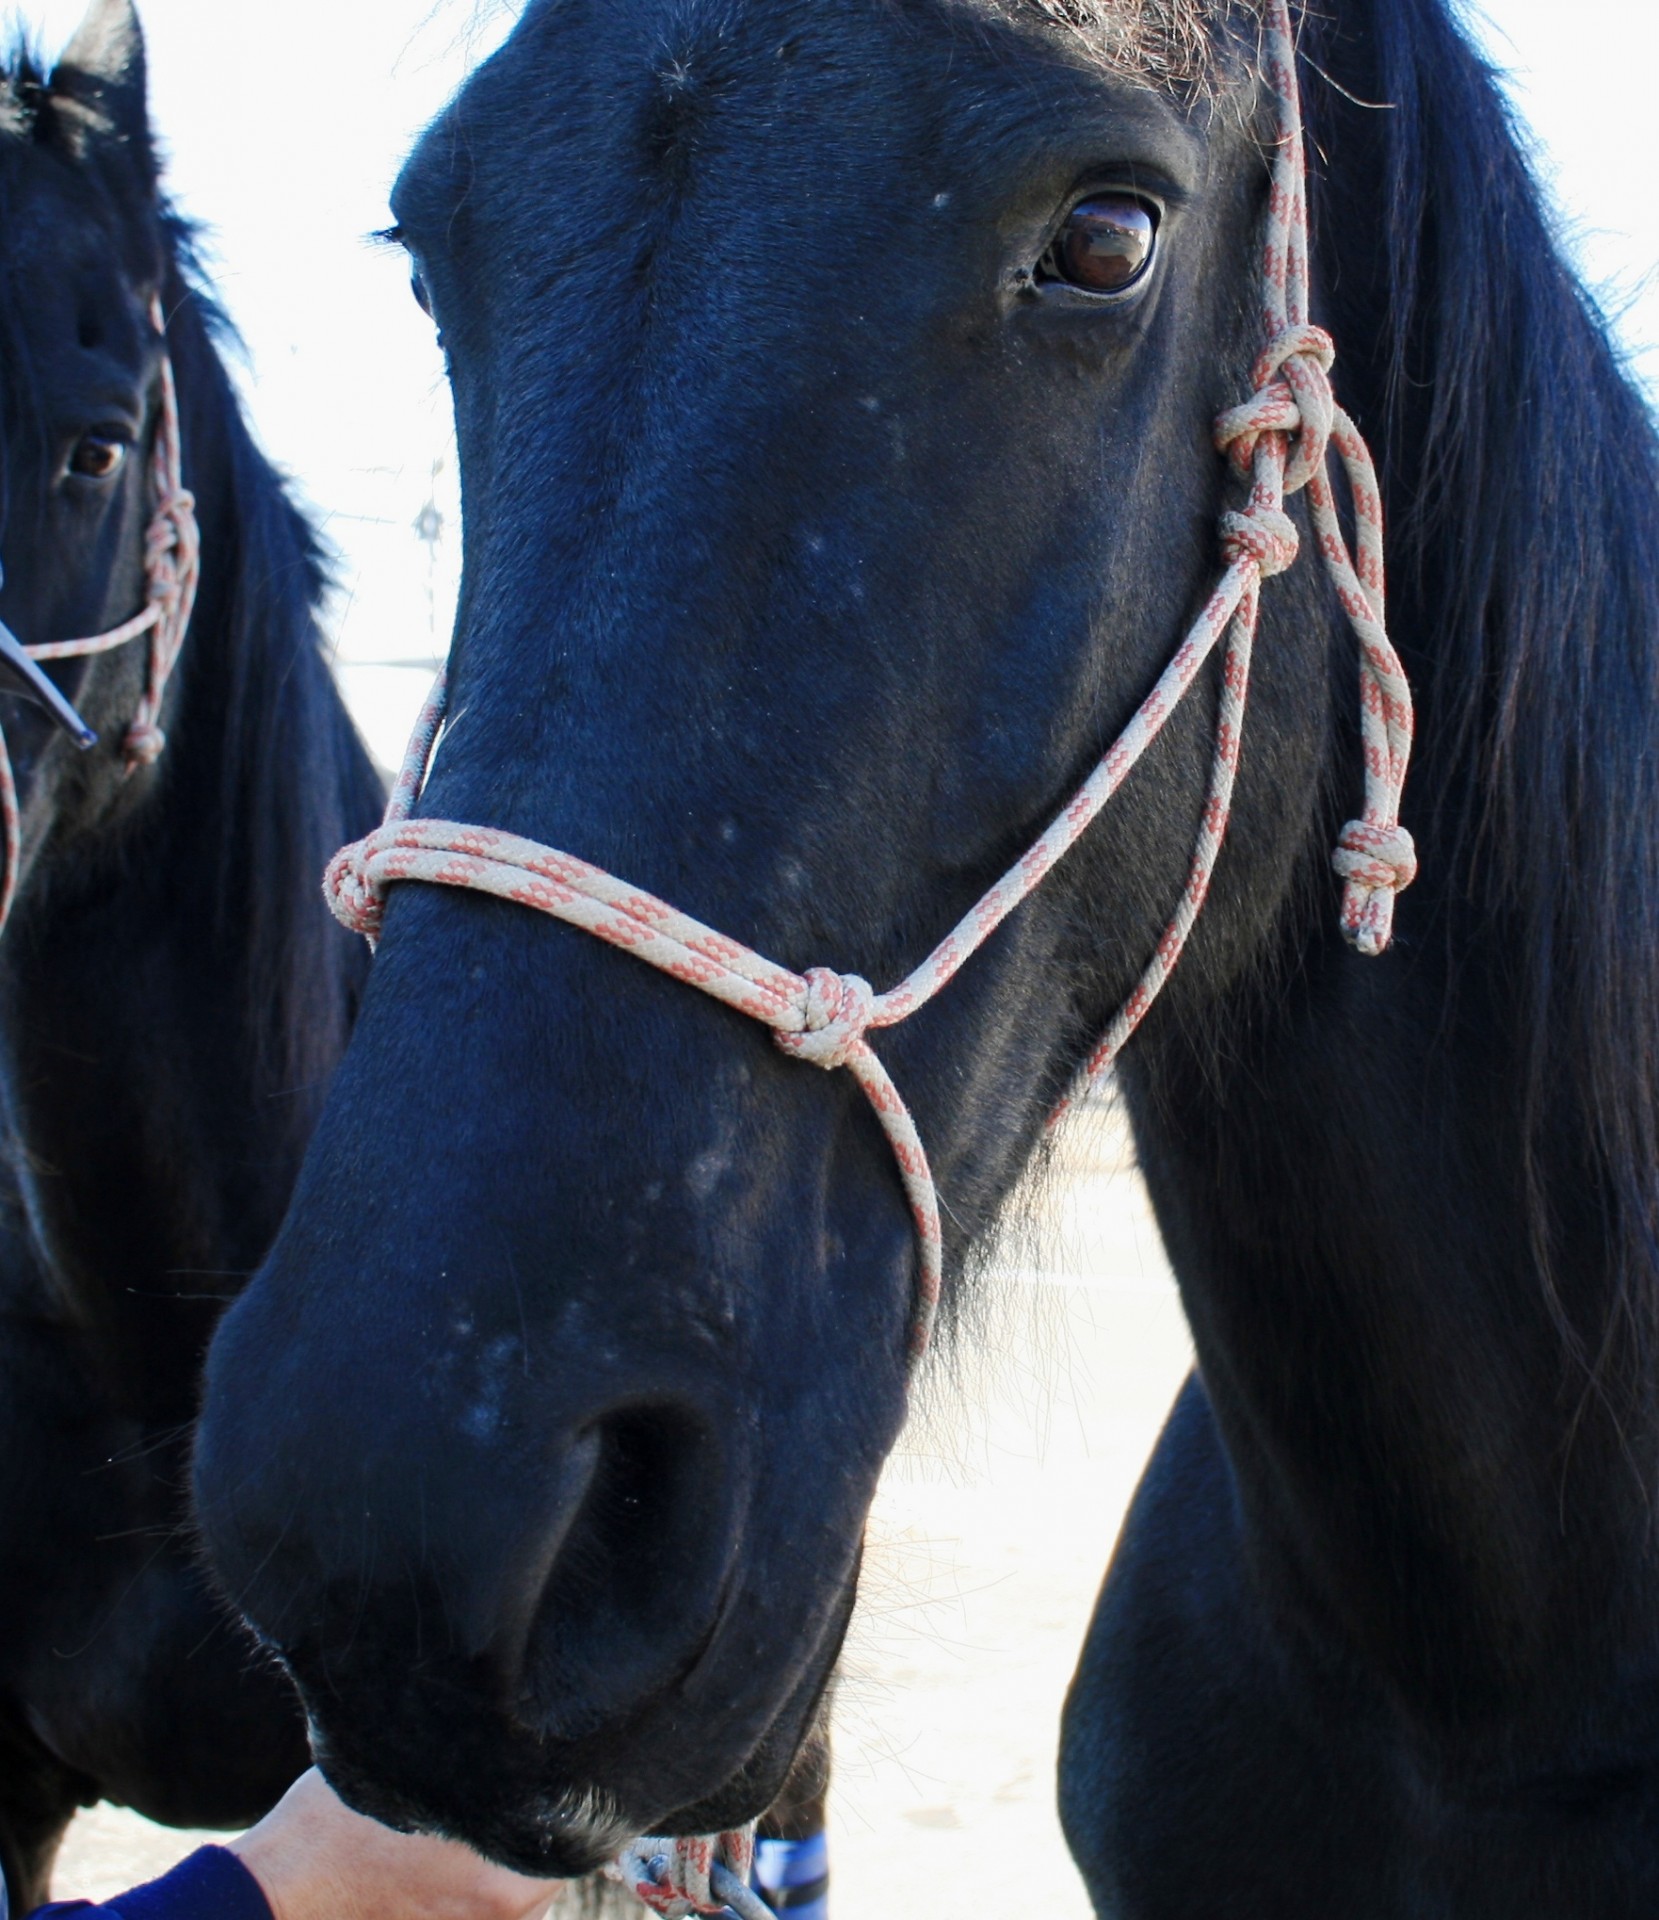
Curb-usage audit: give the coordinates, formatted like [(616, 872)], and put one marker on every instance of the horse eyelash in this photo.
[(386, 237)]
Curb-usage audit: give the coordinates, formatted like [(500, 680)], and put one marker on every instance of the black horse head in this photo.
[(835, 389), (85, 270)]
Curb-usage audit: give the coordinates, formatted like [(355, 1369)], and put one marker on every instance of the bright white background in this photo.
[(286, 124)]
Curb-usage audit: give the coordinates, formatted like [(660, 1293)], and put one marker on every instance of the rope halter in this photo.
[(699, 1875), (1278, 443), (172, 568)]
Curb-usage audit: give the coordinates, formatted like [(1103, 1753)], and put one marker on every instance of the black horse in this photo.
[(173, 996), (831, 501)]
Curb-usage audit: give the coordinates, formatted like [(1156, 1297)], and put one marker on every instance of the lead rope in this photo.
[(701, 1874), (1278, 441), (172, 567)]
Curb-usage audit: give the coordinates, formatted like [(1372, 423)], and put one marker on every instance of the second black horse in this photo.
[(173, 996)]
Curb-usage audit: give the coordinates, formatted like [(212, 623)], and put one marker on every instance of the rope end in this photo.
[(679, 1877), (144, 745), (1377, 864)]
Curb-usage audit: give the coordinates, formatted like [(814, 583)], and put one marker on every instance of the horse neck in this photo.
[(1410, 1200), (1406, 1302), (176, 996)]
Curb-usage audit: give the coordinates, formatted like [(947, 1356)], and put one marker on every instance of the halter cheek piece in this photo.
[(172, 566), (1278, 443)]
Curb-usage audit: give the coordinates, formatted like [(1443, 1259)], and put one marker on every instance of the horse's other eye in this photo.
[(98, 456), (1105, 245), (417, 286)]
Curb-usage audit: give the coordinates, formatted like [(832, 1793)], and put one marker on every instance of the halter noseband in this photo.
[(172, 567), (1278, 442)]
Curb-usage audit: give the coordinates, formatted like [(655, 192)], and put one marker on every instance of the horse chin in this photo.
[(539, 1806), (545, 1831), (758, 1783), (550, 1836)]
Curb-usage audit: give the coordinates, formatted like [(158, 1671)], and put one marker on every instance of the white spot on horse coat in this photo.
[(486, 1415), (706, 1172)]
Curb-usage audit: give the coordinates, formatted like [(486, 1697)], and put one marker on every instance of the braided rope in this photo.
[(172, 568), (698, 1874), (1278, 442)]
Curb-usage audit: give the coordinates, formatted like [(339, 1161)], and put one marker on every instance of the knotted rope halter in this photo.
[(172, 567), (1278, 442)]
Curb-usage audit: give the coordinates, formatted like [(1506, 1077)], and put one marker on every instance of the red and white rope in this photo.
[(1278, 441), (697, 1874), (172, 567)]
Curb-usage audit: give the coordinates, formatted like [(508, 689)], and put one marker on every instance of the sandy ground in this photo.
[(987, 1543)]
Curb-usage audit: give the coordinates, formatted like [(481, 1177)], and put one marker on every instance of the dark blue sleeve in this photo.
[(210, 1885)]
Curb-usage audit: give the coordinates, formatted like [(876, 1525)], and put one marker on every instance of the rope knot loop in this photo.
[(1302, 341), (835, 1018), (352, 896), (144, 745), (1260, 533), (694, 1875), (1377, 863), (1293, 399), (169, 543)]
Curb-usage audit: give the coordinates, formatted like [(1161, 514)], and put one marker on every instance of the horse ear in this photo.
[(102, 81)]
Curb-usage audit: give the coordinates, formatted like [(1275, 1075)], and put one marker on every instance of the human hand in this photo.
[(317, 1860)]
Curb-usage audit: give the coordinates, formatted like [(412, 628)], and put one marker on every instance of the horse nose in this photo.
[(570, 1563)]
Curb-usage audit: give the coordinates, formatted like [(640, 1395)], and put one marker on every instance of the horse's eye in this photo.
[(1105, 245), (98, 456), (417, 286)]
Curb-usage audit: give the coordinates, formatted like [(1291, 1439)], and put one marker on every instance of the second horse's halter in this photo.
[(172, 566), (1278, 442)]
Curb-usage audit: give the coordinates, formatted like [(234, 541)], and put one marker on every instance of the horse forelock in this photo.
[(1167, 43)]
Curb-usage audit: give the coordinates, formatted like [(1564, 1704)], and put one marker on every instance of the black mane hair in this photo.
[(265, 702), (1527, 611)]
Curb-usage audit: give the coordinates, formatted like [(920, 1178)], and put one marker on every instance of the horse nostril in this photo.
[(641, 1562), (504, 1617)]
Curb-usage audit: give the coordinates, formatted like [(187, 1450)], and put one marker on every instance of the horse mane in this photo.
[(294, 782), (1520, 474)]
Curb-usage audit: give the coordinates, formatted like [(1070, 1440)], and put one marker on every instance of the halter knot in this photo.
[(1376, 863), (171, 541), (835, 1018), (680, 1877), (1293, 398), (144, 745), (1301, 341), (353, 898), (1260, 533)]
